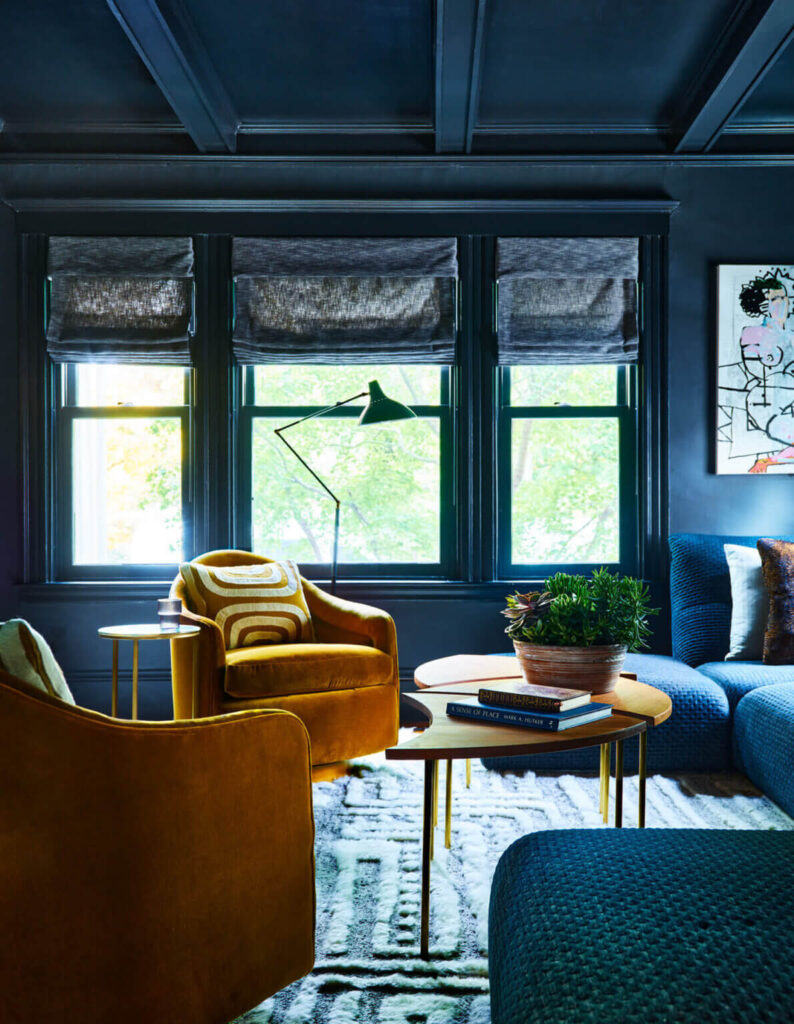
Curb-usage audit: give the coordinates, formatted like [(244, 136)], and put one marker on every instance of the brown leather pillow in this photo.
[(777, 562)]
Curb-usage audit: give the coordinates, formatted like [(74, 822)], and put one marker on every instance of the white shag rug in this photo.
[(368, 849)]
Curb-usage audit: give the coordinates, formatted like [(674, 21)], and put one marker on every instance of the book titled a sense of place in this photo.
[(556, 721)]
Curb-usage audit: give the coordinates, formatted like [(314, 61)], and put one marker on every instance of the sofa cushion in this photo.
[(275, 670), (740, 677), (764, 732), (695, 738), (643, 926), (26, 655), (252, 604), (700, 594), (749, 601), (777, 561)]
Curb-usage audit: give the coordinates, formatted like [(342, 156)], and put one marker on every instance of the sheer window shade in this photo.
[(343, 300), (120, 300), (567, 300)]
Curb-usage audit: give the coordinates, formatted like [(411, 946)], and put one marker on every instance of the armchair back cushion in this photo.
[(25, 654), (261, 603), (700, 594)]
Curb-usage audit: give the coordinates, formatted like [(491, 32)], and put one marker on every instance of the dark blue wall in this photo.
[(727, 214)]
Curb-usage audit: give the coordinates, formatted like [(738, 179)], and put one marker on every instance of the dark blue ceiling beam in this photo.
[(167, 42), (750, 47), (459, 44)]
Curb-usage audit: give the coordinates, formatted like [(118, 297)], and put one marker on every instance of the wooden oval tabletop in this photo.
[(465, 674), (457, 737)]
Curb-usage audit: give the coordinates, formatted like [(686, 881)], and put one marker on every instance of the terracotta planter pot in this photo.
[(596, 669)]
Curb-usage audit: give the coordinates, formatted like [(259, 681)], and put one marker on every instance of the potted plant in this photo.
[(577, 631)]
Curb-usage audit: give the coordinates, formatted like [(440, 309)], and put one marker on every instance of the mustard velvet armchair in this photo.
[(345, 687), (150, 872)]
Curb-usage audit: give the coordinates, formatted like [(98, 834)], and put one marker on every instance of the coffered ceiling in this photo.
[(397, 76)]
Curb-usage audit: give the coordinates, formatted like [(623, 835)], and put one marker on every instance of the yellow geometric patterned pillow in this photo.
[(252, 604)]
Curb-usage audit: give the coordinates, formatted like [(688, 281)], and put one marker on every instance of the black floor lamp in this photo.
[(379, 409)]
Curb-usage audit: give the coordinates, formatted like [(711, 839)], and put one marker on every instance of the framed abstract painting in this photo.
[(755, 377)]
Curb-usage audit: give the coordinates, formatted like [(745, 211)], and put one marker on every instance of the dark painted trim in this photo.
[(167, 42), (460, 27), (543, 128), (752, 43), (273, 127)]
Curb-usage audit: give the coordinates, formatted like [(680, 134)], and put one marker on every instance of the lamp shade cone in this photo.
[(381, 409)]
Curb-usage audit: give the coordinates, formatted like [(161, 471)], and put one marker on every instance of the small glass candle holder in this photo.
[(169, 610)]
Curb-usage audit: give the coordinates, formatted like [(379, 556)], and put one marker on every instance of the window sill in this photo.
[(354, 590)]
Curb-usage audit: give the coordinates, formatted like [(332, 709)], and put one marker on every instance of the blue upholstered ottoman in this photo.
[(695, 738), (643, 927), (764, 734)]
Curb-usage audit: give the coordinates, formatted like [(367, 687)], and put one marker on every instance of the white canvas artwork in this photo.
[(755, 353)]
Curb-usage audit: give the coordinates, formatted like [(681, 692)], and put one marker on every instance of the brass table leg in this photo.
[(134, 679), (448, 814), (619, 784), (606, 755), (468, 773), (643, 775), (427, 854), (195, 676), (602, 774), (434, 810), (114, 700)]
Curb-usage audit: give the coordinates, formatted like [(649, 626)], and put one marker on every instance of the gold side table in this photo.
[(146, 631)]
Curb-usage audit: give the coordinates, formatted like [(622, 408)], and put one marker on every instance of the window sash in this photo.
[(443, 413), (68, 413), (625, 412)]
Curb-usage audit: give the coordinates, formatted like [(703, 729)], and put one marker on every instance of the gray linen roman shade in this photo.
[(120, 300), (567, 300), (344, 300)]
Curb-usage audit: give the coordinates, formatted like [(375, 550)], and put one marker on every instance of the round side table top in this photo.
[(147, 631), (636, 705)]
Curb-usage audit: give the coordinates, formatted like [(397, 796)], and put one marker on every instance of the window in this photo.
[(122, 475), (393, 479), (567, 479)]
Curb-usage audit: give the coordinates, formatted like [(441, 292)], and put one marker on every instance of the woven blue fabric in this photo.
[(695, 738), (700, 595), (652, 926), (740, 677), (764, 731)]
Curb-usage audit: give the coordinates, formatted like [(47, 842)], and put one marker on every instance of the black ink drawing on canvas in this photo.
[(755, 402)]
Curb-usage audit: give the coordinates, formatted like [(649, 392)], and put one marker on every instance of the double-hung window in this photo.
[(567, 342), (316, 321), (118, 331)]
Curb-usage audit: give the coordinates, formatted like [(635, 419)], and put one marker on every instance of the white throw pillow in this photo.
[(24, 653), (750, 604)]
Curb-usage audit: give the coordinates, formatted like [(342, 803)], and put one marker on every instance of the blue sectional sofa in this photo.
[(723, 711), (664, 925)]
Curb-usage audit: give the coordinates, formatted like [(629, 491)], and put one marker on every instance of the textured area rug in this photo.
[(368, 848)]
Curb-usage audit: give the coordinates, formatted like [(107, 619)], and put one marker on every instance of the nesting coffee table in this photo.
[(637, 707)]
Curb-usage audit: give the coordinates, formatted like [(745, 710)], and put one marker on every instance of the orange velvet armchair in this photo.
[(150, 872), (345, 686)]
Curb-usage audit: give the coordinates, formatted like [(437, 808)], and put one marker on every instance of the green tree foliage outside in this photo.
[(565, 472), (387, 476)]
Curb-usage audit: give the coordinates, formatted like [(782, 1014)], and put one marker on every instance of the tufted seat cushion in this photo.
[(695, 738), (276, 670), (764, 735), (643, 926), (740, 677)]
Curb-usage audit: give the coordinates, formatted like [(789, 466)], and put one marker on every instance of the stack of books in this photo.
[(534, 707)]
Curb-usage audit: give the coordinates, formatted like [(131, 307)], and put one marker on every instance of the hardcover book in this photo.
[(551, 722), (544, 698)]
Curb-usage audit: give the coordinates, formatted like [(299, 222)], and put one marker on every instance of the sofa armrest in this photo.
[(145, 861), (336, 620)]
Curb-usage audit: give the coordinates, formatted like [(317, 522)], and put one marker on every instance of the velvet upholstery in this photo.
[(345, 686), (151, 871)]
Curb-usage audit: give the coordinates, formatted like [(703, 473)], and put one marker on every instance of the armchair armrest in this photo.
[(336, 620), (153, 871), (211, 656)]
